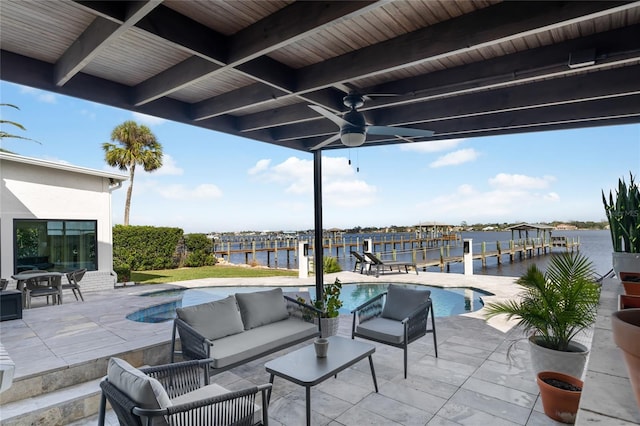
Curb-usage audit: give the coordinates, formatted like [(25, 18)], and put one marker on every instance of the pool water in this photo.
[(446, 302)]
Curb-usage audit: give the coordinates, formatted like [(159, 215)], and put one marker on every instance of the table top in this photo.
[(23, 276), (305, 368)]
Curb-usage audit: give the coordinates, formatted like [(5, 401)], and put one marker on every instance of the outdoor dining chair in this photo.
[(74, 278), (177, 394), (396, 317), (39, 287)]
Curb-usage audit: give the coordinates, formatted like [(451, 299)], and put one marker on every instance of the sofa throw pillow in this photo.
[(401, 301), (215, 319), (262, 307), (144, 390)]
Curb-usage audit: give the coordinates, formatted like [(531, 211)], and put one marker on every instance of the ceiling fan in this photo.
[(354, 129)]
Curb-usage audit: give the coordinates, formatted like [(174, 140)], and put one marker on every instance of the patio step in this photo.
[(54, 408), (64, 395)]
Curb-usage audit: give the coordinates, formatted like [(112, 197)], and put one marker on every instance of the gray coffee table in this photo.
[(304, 368)]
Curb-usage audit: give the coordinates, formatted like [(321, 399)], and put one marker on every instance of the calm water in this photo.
[(596, 245), (446, 302)]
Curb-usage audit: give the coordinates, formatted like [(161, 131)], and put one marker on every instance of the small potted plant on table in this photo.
[(330, 305)]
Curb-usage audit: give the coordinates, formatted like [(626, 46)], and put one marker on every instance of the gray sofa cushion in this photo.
[(239, 347), (262, 307), (401, 301), (213, 319), (384, 329), (144, 390)]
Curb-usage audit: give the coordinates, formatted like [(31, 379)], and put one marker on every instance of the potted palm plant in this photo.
[(623, 214), (553, 308)]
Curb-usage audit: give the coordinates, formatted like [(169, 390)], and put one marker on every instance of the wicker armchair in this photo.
[(193, 401), (396, 317)]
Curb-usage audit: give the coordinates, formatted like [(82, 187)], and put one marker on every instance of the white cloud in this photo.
[(509, 197), (340, 186), (455, 158), (149, 120), (349, 194), (40, 95), (431, 146), (505, 180), (169, 167), (88, 114), (205, 191), (552, 196), (260, 166)]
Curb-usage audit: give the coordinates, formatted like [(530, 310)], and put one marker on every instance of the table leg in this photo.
[(308, 394), (269, 391), (373, 374), (57, 281)]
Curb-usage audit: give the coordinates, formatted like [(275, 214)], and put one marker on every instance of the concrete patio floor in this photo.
[(472, 382)]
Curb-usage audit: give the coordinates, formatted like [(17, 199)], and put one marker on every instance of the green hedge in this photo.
[(199, 251), (146, 248)]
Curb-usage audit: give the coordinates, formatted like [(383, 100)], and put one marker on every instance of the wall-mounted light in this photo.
[(582, 58)]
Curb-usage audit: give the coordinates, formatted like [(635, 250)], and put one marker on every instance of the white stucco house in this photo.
[(57, 217)]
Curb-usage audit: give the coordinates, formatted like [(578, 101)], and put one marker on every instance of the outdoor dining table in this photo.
[(54, 278)]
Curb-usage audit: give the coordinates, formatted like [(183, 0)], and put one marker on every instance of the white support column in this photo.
[(303, 259), (467, 256)]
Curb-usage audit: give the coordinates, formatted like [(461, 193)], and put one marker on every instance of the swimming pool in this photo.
[(446, 302)]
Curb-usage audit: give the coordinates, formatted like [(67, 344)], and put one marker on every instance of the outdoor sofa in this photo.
[(242, 327)]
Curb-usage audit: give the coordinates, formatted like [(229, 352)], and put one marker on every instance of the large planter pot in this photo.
[(625, 262), (626, 334), (571, 363), (628, 301), (630, 282), (329, 326), (559, 404)]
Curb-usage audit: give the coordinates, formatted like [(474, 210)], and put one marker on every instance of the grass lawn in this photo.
[(217, 271)]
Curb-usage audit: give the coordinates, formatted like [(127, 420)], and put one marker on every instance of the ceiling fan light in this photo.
[(352, 140)]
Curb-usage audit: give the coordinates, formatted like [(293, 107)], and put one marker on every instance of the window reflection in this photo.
[(55, 245)]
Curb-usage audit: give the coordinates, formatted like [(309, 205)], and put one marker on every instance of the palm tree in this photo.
[(4, 134), (138, 146)]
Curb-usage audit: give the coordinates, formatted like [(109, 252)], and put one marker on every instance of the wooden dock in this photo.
[(514, 250), (336, 247), (424, 252)]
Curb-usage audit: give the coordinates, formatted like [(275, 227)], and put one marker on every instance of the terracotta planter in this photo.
[(626, 334), (627, 301), (630, 282), (559, 404)]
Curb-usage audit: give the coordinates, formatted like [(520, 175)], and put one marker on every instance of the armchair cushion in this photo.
[(262, 307), (224, 314), (144, 390), (204, 392), (382, 329), (401, 301), (211, 391)]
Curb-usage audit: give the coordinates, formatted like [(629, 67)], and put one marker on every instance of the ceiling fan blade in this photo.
[(399, 131), (327, 114), (326, 142)]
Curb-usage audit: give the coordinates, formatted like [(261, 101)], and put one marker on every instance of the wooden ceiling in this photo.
[(251, 68)]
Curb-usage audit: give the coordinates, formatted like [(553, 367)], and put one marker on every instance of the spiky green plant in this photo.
[(554, 305), (623, 214)]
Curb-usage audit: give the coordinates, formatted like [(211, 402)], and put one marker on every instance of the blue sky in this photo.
[(215, 182)]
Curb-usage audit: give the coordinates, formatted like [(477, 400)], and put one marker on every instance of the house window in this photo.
[(55, 245)]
